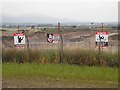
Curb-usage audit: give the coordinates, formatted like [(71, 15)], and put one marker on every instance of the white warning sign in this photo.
[(102, 39), (101, 36), (19, 39), (53, 38)]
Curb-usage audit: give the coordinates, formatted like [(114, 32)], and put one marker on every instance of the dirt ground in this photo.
[(46, 83), (0, 82)]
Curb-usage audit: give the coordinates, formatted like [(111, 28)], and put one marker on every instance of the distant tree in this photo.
[(114, 27), (74, 26), (44, 29), (32, 27)]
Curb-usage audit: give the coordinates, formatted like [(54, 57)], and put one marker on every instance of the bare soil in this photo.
[(45, 83)]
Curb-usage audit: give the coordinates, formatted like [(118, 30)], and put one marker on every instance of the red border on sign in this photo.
[(101, 33), (20, 34)]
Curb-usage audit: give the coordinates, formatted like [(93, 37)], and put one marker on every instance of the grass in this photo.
[(0, 69), (40, 68), (79, 57), (60, 72)]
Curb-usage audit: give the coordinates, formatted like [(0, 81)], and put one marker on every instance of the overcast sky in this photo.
[(78, 10)]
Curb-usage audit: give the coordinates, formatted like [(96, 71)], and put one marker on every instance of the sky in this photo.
[(73, 10)]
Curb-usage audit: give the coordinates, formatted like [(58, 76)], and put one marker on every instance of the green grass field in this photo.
[(0, 69), (88, 76)]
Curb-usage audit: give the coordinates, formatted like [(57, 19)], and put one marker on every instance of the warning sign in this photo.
[(19, 39), (102, 39)]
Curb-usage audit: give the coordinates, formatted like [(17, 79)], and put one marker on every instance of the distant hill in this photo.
[(33, 18), (43, 19), (28, 19)]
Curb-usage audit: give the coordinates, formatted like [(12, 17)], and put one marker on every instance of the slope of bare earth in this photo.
[(72, 39)]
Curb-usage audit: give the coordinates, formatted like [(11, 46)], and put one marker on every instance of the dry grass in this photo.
[(70, 56)]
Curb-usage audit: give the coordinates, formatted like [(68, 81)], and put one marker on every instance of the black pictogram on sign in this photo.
[(50, 38)]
